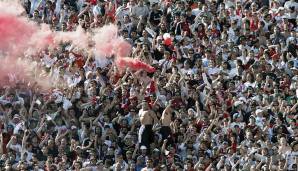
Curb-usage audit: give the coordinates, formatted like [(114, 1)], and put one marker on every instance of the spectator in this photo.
[(224, 95)]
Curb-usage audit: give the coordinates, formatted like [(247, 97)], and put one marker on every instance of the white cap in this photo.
[(243, 99), (88, 73), (143, 147), (259, 111), (73, 127), (237, 103), (108, 143)]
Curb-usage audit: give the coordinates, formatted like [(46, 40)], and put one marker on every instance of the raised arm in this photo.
[(1, 143), (84, 10), (24, 140)]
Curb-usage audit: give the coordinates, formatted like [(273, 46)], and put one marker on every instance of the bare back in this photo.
[(166, 119), (146, 118)]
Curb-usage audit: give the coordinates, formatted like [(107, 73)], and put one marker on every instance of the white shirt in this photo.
[(205, 62), (121, 12), (231, 34), (187, 71), (289, 4), (124, 166), (240, 124), (291, 158), (260, 122), (17, 147), (249, 84), (47, 61), (140, 10), (165, 63), (19, 126), (214, 70), (96, 10)]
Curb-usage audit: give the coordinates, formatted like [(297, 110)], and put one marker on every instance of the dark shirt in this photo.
[(155, 17)]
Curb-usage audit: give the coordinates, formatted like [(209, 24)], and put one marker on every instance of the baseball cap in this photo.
[(143, 147), (237, 103), (156, 150), (237, 115), (128, 152), (16, 116), (73, 127)]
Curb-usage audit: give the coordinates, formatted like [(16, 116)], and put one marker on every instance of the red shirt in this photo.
[(185, 27), (239, 12), (6, 138), (151, 89), (111, 12), (215, 32), (92, 2), (79, 60), (201, 34), (253, 25), (234, 147)]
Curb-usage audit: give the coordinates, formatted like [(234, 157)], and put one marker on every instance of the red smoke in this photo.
[(105, 39), (107, 43), (122, 48), (134, 64), (18, 35), (15, 33)]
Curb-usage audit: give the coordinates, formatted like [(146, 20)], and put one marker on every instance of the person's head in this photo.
[(129, 155), (125, 33), (77, 165), (254, 7), (295, 146), (36, 14), (149, 163), (143, 149), (126, 19), (51, 143), (190, 52), (64, 26), (119, 158), (44, 150), (140, 2), (265, 167), (249, 135), (252, 120), (145, 105), (140, 160), (281, 162), (276, 30), (154, 6), (283, 141), (53, 167), (132, 166), (16, 119), (10, 128), (265, 151), (8, 165)]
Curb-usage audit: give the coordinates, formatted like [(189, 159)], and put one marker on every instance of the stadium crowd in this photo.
[(224, 95)]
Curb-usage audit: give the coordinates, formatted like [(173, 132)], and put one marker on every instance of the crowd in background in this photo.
[(226, 86)]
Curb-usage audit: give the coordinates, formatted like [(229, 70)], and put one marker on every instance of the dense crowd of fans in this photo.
[(224, 95)]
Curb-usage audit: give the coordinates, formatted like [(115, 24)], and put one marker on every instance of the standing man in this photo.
[(166, 120), (148, 119), (149, 165)]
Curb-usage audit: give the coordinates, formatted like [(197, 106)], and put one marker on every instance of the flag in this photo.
[(35, 4), (58, 7)]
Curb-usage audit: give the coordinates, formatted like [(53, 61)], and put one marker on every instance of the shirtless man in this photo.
[(148, 119), (166, 120)]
